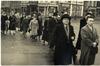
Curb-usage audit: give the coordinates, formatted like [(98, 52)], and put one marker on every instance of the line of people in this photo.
[(59, 33), (23, 23), (61, 36)]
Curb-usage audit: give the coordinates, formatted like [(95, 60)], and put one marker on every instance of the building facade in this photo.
[(73, 8), (93, 6), (10, 5)]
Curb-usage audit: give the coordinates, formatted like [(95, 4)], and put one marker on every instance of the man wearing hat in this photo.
[(62, 40), (89, 43), (51, 25)]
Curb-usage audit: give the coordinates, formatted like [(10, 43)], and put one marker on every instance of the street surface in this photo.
[(16, 50)]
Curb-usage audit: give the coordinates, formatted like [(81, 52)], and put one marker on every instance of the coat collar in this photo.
[(65, 30), (88, 28)]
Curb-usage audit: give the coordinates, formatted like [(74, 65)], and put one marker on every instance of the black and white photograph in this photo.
[(50, 32)]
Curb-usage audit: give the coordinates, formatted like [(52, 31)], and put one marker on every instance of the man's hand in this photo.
[(94, 44), (72, 38)]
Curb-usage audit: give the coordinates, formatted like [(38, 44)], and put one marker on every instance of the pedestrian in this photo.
[(89, 43), (12, 26), (7, 24), (17, 21), (40, 29), (21, 20), (62, 41), (3, 22), (34, 27), (25, 26), (45, 31), (52, 23)]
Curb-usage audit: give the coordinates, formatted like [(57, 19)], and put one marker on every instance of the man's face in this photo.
[(65, 21), (90, 21), (55, 17)]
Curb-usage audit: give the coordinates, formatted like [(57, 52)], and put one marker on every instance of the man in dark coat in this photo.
[(25, 25), (45, 31), (62, 41), (82, 24), (40, 26), (21, 20), (51, 26), (12, 26), (89, 43), (3, 20)]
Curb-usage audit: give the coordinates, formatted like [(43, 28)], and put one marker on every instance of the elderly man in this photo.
[(89, 43)]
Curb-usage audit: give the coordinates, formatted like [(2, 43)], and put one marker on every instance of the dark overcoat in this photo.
[(12, 25), (25, 25), (45, 31), (63, 47), (21, 20), (88, 52), (40, 26), (51, 26), (3, 19)]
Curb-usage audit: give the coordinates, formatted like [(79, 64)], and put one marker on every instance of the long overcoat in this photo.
[(3, 19), (63, 47), (12, 25), (88, 52), (25, 25), (45, 31)]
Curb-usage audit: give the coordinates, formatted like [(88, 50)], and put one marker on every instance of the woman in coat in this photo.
[(62, 40), (89, 43), (34, 27)]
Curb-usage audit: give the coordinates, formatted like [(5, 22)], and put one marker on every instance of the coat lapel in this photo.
[(64, 31), (92, 32), (88, 29)]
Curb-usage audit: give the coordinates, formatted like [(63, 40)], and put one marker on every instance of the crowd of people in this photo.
[(59, 33)]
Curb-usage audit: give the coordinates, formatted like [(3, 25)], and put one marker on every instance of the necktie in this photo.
[(67, 31)]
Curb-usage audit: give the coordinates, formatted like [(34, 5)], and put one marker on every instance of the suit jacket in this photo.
[(87, 50)]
